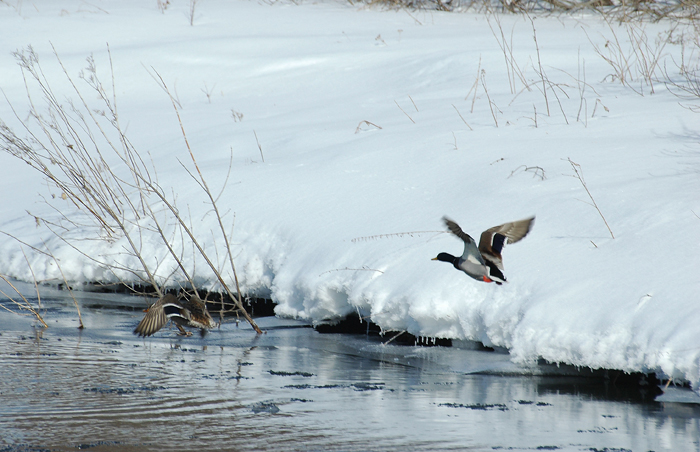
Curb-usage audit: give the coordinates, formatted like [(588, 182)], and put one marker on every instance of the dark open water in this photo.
[(104, 389)]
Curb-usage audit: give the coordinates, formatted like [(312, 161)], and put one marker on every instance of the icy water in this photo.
[(292, 388)]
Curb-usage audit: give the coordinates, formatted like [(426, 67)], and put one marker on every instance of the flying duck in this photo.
[(485, 262), (192, 313)]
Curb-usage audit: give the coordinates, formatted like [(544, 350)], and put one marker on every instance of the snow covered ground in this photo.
[(369, 127)]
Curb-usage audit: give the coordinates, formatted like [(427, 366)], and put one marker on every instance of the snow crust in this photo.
[(344, 217)]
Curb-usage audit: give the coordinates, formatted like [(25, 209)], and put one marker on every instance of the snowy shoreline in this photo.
[(373, 125)]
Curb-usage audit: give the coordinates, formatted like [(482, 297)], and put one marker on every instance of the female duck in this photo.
[(192, 313)]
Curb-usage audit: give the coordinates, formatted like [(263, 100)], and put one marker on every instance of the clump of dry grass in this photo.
[(84, 154), (684, 83), (24, 304), (623, 10)]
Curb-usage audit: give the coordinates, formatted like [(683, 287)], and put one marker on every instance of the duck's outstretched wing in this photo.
[(494, 239), (155, 317), (456, 230), (471, 253)]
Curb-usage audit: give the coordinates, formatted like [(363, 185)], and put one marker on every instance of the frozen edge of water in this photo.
[(498, 363)]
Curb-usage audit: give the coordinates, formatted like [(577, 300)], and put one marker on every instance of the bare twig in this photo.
[(462, 118), (512, 68), (359, 126), (203, 183), (402, 110), (208, 91), (475, 86), (259, 147), (26, 305), (539, 64), (366, 269), (579, 175), (414, 104), (394, 234), (583, 104), (193, 6), (36, 284), (394, 337), (537, 171), (491, 104), (65, 281), (535, 109)]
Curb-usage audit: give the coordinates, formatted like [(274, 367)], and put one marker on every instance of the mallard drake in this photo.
[(485, 262), (192, 313)]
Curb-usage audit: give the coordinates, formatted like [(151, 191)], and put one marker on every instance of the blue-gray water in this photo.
[(292, 388)]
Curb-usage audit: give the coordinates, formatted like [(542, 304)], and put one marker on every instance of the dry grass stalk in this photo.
[(686, 85), (25, 305), (402, 110), (492, 105), (365, 269), (512, 69), (67, 286), (393, 234), (394, 337), (639, 60), (191, 14), (413, 102), (674, 10), (537, 171), (259, 147), (579, 175), (359, 126), (36, 283), (34, 278), (595, 107), (583, 103), (208, 91), (462, 118), (535, 116), (539, 65), (475, 86)]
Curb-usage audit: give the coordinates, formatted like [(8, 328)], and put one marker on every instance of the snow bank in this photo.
[(344, 216)]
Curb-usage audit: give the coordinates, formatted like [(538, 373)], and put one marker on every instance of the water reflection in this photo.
[(294, 389)]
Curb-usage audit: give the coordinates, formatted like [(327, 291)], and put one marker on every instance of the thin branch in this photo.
[(359, 126), (394, 234), (402, 110), (462, 117), (27, 305), (394, 337), (259, 147), (579, 175), (238, 298), (366, 269), (70, 291)]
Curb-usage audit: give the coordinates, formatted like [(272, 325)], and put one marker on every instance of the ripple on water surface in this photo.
[(294, 389)]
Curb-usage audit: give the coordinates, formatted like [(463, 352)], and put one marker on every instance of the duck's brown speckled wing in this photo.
[(155, 317), (198, 315), (494, 239)]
